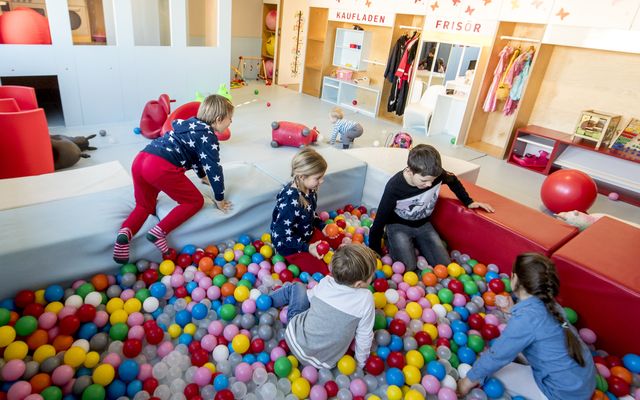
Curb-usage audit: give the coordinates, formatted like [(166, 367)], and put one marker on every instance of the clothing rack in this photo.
[(374, 62), (415, 28), (519, 39)]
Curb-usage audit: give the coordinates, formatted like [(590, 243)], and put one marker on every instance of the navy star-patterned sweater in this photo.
[(192, 144), (292, 223)]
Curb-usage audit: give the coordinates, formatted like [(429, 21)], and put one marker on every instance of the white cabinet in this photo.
[(348, 95), (351, 48)]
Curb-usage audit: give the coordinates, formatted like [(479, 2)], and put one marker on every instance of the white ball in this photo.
[(392, 296), (449, 382), (74, 301), (320, 138), (150, 304), (463, 369), (376, 143), (220, 353), (93, 298), (439, 310), (254, 294), (82, 343)]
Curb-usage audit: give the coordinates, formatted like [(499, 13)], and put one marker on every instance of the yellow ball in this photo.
[(431, 330), (455, 270), (114, 304), (266, 251), (347, 365), (7, 335), (373, 397), (174, 331), (351, 229), (300, 388), (294, 361), (339, 217), (414, 358), (240, 344), (328, 257), (411, 278), (54, 307), (448, 307), (210, 367), (413, 395), (379, 299), (229, 255), (103, 375), (167, 267), (390, 310), (378, 263), (238, 246), (275, 276), (190, 329), (265, 238), (411, 374), (388, 271), (132, 305), (16, 351), (241, 293), (414, 310), (118, 316), (40, 297), (43, 352), (394, 393), (294, 374), (75, 356), (92, 359), (187, 299), (433, 298)]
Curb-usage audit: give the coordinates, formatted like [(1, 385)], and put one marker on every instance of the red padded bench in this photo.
[(497, 237), (600, 278)]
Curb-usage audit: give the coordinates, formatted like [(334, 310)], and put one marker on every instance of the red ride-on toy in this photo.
[(292, 134)]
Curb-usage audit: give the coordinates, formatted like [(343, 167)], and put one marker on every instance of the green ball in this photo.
[(367, 222), (277, 258), (329, 221), (245, 283), (295, 270), (454, 361), (51, 393), (105, 299), (476, 278), (249, 250), (428, 353), (453, 346), (142, 294), (282, 367), (119, 331), (601, 383), (470, 288), (227, 312), (26, 325), (465, 278), (380, 322), (5, 316), (507, 284), (453, 140), (475, 343), (93, 392), (128, 268), (445, 295), (244, 260), (219, 280), (84, 289), (256, 91), (472, 263), (572, 316)]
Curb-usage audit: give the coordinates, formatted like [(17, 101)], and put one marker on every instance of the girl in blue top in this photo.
[(561, 363)]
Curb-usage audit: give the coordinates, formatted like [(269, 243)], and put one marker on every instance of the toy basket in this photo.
[(344, 74)]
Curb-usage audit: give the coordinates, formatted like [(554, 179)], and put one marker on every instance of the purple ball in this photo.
[(244, 372), (202, 376), (358, 387)]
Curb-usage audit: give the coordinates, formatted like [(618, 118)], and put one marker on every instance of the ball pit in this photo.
[(200, 325)]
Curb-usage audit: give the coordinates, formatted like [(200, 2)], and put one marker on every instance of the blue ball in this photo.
[(128, 370), (436, 369), (219, 261), (379, 274), (249, 358), (491, 275), (199, 311), (156, 313), (189, 249), (216, 306), (230, 300), (244, 239), (190, 286), (466, 355), (257, 258), (317, 276), (185, 339), (493, 388), (304, 276), (133, 388), (383, 352), (83, 371), (396, 343), (460, 338), (632, 362), (158, 289), (459, 326), (220, 382), (264, 357), (250, 277), (173, 300), (116, 389), (333, 214), (183, 317), (87, 331), (395, 376), (8, 304), (53, 293), (137, 130), (464, 313), (263, 302)]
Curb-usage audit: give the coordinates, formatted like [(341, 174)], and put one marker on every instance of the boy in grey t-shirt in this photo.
[(323, 321)]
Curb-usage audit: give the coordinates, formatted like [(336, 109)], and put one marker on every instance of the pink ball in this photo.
[(136, 332), (424, 303), (413, 293), (101, 318), (238, 254), (429, 316), (230, 331), (61, 375), (76, 284), (444, 331), (401, 303), (243, 372), (283, 315), (402, 316), (459, 300), (198, 294), (13, 370), (602, 370), (397, 278), (33, 397), (447, 394), (213, 293), (177, 280), (215, 328), (209, 342), (404, 286), (613, 196), (190, 306), (198, 276), (270, 20), (68, 388), (277, 352), (65, 312), (398, 267), (146, 372), (358, 387), (318, 392), (135, 319), (310, 373), (253, 268), (431, 384), (324, 215), (249, 306), (53, 332), (164, 348), (202, 376), (268, 66), (386, 260), (588, 335), (127, 294), (114, 360), (491, 319), (264, 264), (205, 282), (112, 278), (47, 320), (279, 267)]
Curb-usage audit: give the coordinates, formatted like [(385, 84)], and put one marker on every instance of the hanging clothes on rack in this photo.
[(394, 58), (402, 76), (503, 60), (517, 86), (505, 84)]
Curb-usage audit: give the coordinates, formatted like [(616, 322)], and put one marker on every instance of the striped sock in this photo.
[(157, 236), (121, 247)]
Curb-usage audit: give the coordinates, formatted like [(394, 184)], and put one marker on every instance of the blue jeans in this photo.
[(293, 294), (401, 239)]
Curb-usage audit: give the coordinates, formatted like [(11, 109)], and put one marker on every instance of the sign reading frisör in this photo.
[(463, 26), (361, 16)]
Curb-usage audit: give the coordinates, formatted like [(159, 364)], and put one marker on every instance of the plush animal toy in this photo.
[(68, 150), (582, 221)]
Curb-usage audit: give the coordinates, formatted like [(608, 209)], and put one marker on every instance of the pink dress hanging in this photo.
[(491, 100)]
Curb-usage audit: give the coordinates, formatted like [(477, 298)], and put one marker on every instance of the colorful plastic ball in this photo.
[(227, 312), (240, 344), (220, 382), (411, 374), (446, 393), (103, 374), (202, 376), (19, 390), (567, 190), (7, 335), (374, 365), (493, 388), (394, 376), (94, 392), (51, 393), (347, 365), (301, 388), (431, 384), (128, 370), (53, 293), (587, 335), (394, 393), (26, 325), (13, 370), (632, 362), (282, 367), (199, 311), (436, 369)]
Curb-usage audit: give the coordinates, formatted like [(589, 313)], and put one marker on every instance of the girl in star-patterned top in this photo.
[(294, 224), (160, 167)]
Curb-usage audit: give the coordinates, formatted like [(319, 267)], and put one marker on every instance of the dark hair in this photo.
[(537, 275), (352, 263), (425, 160)]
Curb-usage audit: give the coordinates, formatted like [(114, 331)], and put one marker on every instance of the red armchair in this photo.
[(26, 147), (8, 105), (187, 111), (25, 96)]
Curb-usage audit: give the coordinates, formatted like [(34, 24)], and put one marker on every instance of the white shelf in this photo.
[(537, 141), (367, 97), (344, 56)]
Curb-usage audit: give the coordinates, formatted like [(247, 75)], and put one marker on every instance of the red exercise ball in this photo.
[(24, 25), (568, 190)]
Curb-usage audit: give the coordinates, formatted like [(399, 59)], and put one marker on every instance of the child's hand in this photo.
[(205, 181), (313, 250), (224, 205), (465, 385), (484, 206), (504, 303)]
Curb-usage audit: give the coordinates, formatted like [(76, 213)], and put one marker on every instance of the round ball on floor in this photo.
[(568, 190)]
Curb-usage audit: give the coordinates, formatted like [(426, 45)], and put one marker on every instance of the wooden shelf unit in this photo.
[(318, 51), (266, 34)]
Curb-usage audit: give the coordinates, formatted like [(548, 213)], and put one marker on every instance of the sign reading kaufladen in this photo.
[(362, 16)]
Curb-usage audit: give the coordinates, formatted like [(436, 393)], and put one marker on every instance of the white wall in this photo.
[(112, 83)]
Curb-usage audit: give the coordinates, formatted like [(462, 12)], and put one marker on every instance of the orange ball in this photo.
[(598, 395), (100, 282), (37, 339), (241, 269), (217, 270), (356, 213), (480, 269), (212, 249), (429, 279), (440, 271), (489, 298), (40, 382), (622, 373), (13, 318), (205, 265), (332, 230), (227, 289), (62, 343), (357, 238)]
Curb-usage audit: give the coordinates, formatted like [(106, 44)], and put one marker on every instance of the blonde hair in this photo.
[(352, 263), (306, 162), (337, 113), (214, 108)]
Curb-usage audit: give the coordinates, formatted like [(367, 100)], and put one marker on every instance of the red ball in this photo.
[(354, 102), (149, 324), (443, 342), (24, 298), (191, 390), (150, 385), (86, 313), (496, 285), (149, 276), (222, 340), (286, 275), (172, 254), (257, 345), (323, 248), (490, 331), (194, 346), (199, 357), (184, 260), (395, 359), (258, 244), (132, 347), (197, 256), (284, 345), (362, 209), (269, 366), (155, 336), (380, 285), (475, 321), (340, 211), (568, 190), (397, 327), (33, 309), (268, 104), (332, 388), (456, 286), (341, 223), (224, 394), (181, 292), (374, 365), (613, 361), (69, 325), (618, 386), (348, 207), (422, 338)]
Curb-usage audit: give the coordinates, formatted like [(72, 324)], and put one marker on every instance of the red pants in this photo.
[(307, 262), (151, 175)]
